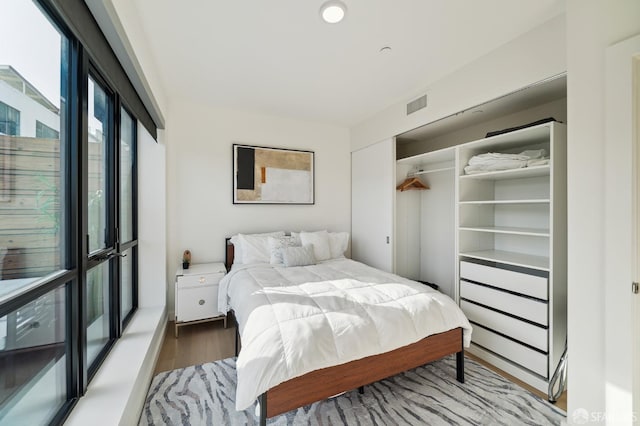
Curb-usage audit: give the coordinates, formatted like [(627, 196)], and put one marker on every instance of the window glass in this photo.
[(44, 131), (99, 107), (97, 307), (32, 169), (9, 120), (127, 156), (33, 361)]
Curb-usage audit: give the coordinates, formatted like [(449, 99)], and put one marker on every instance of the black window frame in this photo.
[(77, 65)]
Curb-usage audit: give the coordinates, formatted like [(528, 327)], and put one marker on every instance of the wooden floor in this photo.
[(196, 344), (206, 342)]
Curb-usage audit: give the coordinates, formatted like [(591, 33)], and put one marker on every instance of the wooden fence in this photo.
[(31, 222)]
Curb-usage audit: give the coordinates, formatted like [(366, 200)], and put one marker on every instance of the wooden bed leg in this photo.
[(460, 366), (235, 320), (262, 399), (361, 390)]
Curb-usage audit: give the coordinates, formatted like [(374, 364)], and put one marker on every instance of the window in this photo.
[(34, 235), (9, 120), (46, 132), (36, 268), (98, 150), (127, 234), (33, 359), (68, 243)]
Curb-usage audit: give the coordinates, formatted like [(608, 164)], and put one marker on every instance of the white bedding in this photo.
[(296, 320)]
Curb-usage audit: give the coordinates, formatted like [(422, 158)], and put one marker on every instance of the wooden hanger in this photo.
[(411, 183)]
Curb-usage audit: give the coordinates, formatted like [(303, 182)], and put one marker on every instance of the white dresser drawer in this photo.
[(200, 280), (518, 282), (519, 330), (513, 351), (197, 303), (530, 309)]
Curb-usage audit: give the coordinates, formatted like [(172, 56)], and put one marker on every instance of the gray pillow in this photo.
[(276, 244), (298, 256)]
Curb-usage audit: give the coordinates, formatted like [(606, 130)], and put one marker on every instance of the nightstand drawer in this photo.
[(197, 303), (199, 280)]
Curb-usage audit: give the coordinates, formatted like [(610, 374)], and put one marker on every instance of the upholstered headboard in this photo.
[(229, 253)]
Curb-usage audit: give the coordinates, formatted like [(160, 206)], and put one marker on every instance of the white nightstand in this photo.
[(196, 292)]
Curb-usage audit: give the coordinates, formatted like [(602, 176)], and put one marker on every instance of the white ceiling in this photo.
[(278, 57)]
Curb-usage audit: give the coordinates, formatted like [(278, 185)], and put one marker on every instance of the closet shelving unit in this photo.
[(496, 243), (511, 239)]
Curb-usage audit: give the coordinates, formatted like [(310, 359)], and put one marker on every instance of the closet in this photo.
[(494, 241)]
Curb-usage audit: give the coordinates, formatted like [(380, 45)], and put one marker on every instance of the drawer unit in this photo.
[(519, 330), (196, 294), (529, 309), (513, 351), (530, 285), (197, 303)]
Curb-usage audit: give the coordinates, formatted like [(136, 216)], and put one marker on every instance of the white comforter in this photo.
[(296, 320)]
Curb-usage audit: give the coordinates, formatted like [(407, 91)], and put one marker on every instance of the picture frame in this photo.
[(266, 175)]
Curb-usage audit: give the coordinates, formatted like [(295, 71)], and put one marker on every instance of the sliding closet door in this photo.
[(372, 193)]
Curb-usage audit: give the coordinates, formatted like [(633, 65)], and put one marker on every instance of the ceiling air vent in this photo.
[(417, 104)]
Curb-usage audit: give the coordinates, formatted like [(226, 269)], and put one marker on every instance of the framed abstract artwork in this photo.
[(263, 175)]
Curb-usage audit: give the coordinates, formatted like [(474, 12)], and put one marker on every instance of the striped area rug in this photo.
[(428, 395)]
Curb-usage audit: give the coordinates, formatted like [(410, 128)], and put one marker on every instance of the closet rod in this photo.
[(424, 172)]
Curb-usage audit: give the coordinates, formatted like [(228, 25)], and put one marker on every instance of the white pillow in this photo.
[(298, 256), (338, 243), (276, 244), (296, 238), (254, 248), (320, 242)]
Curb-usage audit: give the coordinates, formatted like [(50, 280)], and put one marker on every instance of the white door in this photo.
[(622, 221), (372, 194)]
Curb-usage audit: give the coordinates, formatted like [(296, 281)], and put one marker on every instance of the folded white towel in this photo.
[(495, 166), (537, 162), (496, 161)]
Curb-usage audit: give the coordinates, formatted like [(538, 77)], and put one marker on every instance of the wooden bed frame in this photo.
[(324, 383)]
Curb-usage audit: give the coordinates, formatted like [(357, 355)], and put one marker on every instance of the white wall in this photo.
[(199, 179), (534, 56), (152, 213), (592, 26), (30, 111)]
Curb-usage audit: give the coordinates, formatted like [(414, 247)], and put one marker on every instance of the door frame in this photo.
[(622, 245)]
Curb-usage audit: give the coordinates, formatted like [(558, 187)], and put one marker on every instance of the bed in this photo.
[(287, 359)]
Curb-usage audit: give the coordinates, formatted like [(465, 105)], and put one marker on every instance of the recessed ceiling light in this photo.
[(332, 11)]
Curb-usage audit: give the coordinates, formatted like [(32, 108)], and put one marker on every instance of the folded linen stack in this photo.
[(494, 161)]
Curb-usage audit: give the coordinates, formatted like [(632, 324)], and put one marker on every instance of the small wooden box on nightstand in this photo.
[(196, 294)]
